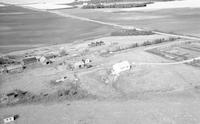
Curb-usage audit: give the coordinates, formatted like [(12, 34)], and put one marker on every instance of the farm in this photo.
[(98, 66)]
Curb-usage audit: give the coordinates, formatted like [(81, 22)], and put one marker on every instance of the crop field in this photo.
[(179, 52), (24, 29), (181, 21)]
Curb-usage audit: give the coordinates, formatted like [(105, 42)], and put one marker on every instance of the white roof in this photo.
[(122, 66)]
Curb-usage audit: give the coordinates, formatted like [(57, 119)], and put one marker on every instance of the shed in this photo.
[(29, 60), (120, 67), (14, 68), (10, 119)]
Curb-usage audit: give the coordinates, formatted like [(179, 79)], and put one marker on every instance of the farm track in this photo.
[(170, 63)]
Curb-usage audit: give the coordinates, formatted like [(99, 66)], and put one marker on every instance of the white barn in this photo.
[(120, 67)]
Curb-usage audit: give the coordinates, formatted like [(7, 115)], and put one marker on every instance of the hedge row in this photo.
[(134, 45), (130, 32), (97, 6)]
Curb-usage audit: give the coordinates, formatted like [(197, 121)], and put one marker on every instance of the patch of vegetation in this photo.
[(70, 92), (111, 1), (114, 1), (116, 48), (131, 32), (115, 5), (4, 61)]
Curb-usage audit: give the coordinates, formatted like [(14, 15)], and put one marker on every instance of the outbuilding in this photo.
[(120, 67), (15, 68), (29, 60), (10, 119)]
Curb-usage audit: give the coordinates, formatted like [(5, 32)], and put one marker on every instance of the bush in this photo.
[(6, 61), (134, 45)]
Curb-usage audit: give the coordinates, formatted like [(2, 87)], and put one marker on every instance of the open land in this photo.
[(70, 77)]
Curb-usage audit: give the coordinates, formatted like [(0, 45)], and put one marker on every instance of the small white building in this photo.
[(8, 120), (120, 67)]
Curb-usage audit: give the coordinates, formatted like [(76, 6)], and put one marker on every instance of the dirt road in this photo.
[(171, 63)]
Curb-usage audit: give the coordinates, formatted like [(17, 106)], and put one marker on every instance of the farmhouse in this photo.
[(46, 61), (120, 67)]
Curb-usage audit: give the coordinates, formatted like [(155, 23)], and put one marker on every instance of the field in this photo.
[(180, 21), (23, 29)]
